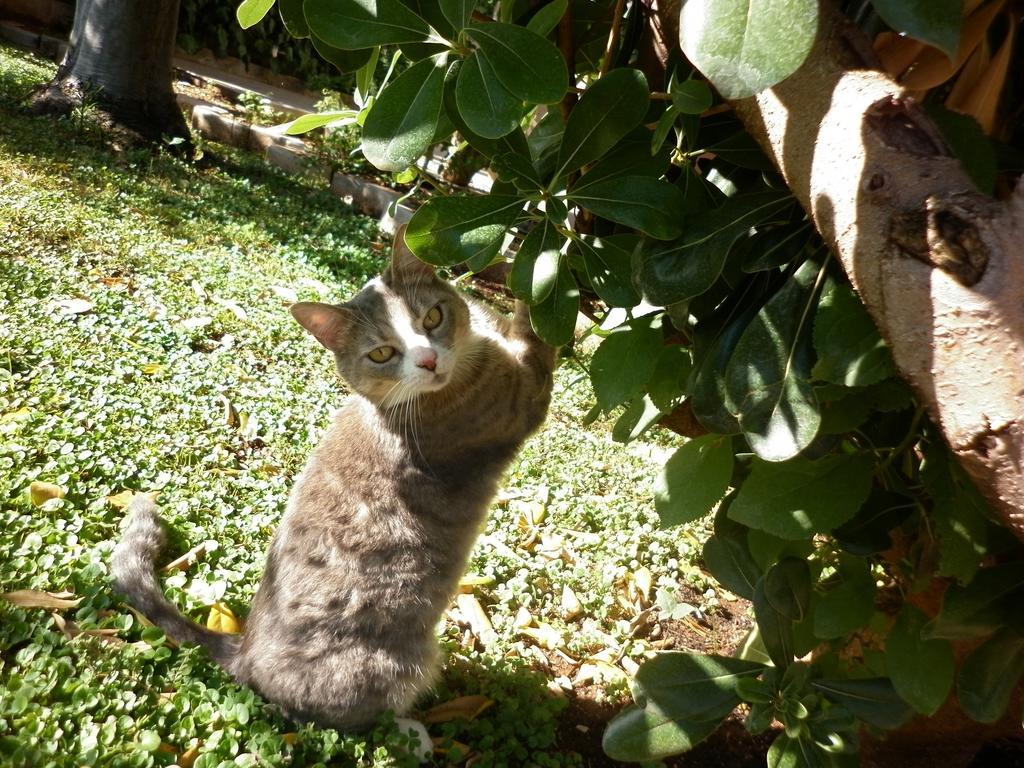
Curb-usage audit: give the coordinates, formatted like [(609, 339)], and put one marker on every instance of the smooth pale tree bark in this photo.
[(938, 264), (120, 59)]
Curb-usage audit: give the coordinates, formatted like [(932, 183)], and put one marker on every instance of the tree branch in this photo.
[(935, 261)]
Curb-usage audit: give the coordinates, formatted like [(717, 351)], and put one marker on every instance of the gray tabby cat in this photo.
[(381, 521)]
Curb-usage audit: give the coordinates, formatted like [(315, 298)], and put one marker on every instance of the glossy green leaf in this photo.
[(484, 103), (786, 752), (693, 480), (850, 351), (457, 12), (967, 139), (675, 272), (692, 685), (800, 497), (768, 376), (608, 264), (989, 676), (354, 24), (640, 415), (745, 46), (664, 126), (528, 65), (776, 247), (774, 628), (547, 18), (651, 206), (307, 123), (787, 588), (536, 266), (512, 143), (647, 733), (868, 532), (554, 319), (711, 403), (293, 17), (624, 361), (344, 61), (251, 12), (981, 607), (667, 385), (402, 122), (921, 670), (449, 230), (691, 97), (731, 565), (872, 700), (936, 22), (844, 608), (607, 111)]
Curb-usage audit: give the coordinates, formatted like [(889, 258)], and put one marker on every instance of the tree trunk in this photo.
[(936, 262), (120, 59)]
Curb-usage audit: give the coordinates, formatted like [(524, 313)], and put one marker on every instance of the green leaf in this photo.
[(402, 122), (646, 733), (775, 247), (675, 272), (691, 97), (606, 112), (787, 587), (682, 699), (547, 18), (608, 264), (148, 741), (512, 143), (768, 376), (293, 17), (967, 139), (731, 565), (867, 532), (536, 266), (745, 46), (693, 480), (989, 675), (651, 206), (640, 415), (786, 752), (850, 351), (484, 103), (457, 12), (308, 123), (981, 607), (527, 64), (667, 385), (251, 12), (872, 700), (921, 670), (665, 123), (774, 628), (354, 24), (344, 61), (800, 497), (448, 230), (692, 686), (554, 319), (936, 22), (845, 607), (624, 361)]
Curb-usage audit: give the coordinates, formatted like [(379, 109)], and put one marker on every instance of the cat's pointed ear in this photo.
[(404, 264), (328, 323)]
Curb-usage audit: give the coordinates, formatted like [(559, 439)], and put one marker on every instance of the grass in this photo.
[(145, 346)]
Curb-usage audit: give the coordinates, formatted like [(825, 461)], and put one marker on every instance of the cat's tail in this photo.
[(133, 567)]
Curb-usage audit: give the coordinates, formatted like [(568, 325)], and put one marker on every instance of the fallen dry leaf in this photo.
[(41, 492), (286, 295), (464, 708), (544, 635), (523, 618), (194, 554), (32, 598), (73, 306), (222, 619), (477, 619), (571, 607), (468, 582)]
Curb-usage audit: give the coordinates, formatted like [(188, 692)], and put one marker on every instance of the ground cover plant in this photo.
[(720, 185), (145, 345)]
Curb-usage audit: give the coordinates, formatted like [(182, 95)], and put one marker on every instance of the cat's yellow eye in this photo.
[(382, 354), (432, 318)]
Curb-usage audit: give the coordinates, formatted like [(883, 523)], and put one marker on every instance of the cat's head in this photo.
[(399, 337)]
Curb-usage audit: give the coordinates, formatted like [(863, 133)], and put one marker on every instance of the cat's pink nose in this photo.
[(426, 359)]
